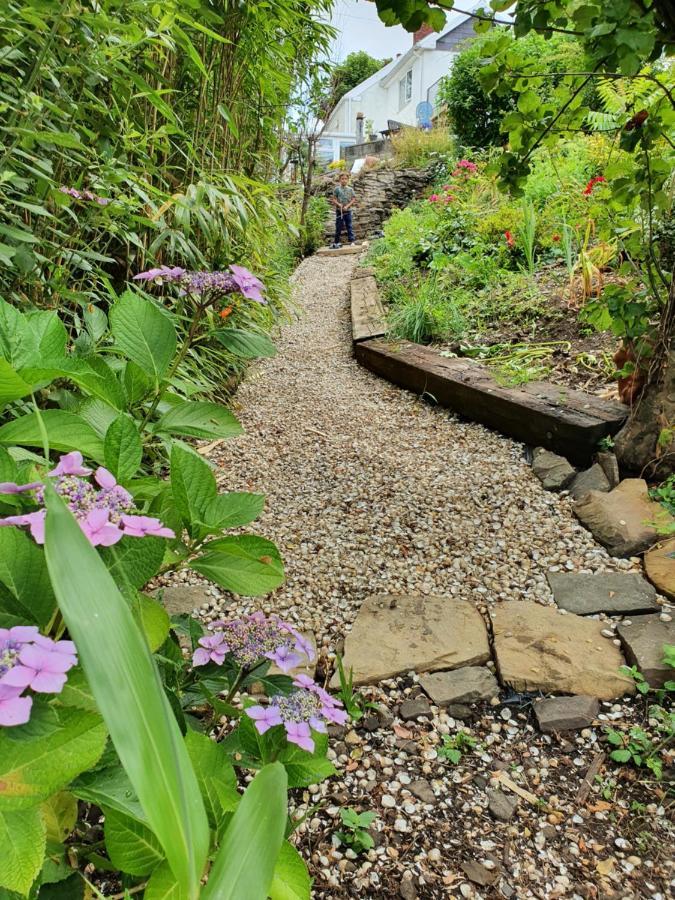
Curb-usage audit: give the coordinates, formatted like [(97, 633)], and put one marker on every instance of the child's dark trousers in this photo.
[(343, 218)]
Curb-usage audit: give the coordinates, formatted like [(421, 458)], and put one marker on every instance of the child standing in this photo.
[(343, 200)]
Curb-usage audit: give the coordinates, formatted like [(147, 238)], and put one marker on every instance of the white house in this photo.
[(396, 90)]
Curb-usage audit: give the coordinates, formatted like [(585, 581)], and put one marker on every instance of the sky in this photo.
[(361, 29)]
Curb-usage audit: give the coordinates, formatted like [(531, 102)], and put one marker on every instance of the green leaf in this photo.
[(154, 620), (109, 787), (163, 886), (37, 765), (528, 102), (22, 848), (12, 385), (305, 768), (136, 383), (232, 510), (244, 564), (143, 333), (123, 448), (193, 485), (291, 879), (23, 572), (60, 814), (134, 561), (76, 691), (47, 333), (215, 774), (131, 846), (133, 703), (200, 419), (66, 431), (247, 344), (244, 864), (621, 755)]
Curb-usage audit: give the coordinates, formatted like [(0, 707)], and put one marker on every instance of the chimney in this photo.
[(422, 32), (359, 127)]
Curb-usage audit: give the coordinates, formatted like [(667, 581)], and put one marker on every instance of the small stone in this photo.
[(478, 873), (466, 685), (501, 806), (408, 889), (593, 479), (423, 791), (411, 709), (643, 642), (400, 825), (565, 713), (352, 738), (554, 472), (610, 467), (388, 801)]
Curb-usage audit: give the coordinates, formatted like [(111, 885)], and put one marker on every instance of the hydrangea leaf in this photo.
[(123, 448), (23, 572), (143, 333), (22, 848), (200, 419), (291, 879), (131, 845), (244, 564)]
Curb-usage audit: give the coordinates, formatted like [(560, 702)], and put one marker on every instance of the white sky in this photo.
[(361, 29)]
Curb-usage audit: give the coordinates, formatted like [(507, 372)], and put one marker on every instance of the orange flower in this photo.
[(224, 313)]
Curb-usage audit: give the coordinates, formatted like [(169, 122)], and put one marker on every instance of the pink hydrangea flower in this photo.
[(265, 717), (142, 526), (212, 648), (14, 709), (71, 464), (99, 529)]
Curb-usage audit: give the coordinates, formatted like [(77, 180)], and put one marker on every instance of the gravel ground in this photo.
[(371, 490)]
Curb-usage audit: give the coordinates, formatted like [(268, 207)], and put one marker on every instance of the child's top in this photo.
[(344, 194)]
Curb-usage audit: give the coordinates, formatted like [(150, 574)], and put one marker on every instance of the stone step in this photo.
[(368, 318), (614, 593)]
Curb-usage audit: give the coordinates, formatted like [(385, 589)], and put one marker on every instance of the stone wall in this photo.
[(377, 193)]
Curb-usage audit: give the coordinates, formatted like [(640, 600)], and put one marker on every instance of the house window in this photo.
[(405, 89)]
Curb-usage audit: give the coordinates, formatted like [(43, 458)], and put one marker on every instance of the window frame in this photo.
[(405, 89)]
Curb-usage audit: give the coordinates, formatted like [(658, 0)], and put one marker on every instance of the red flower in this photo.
[(509, 239), (555, 237), (591, 184)]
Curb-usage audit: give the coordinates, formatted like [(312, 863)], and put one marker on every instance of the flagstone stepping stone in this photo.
[(623, 520), (554, 472), (183, 598), (593, 479), (538, 648), (643, 641), (565, 713), (466, 685), (615, 593), (402, 633), (660, 567)]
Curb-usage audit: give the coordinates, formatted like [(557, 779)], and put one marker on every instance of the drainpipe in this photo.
[(359, 127)]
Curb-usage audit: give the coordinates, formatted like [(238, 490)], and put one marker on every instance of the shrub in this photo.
[(416, 147), (314, 232)]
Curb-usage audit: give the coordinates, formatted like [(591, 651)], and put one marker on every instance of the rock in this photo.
[(501, 806), (411, 709), (459, 711), (408, 889), (393, 634), (183, 598), (643, 642), (610, 467), (623, 520), (616, 593), (423, 791), (554, 472), (593, 479), (660, 567), (477, 873), (538, 649), (464, 685), (565, 713)]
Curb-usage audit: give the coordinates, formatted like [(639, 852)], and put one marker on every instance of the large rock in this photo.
[(565, 713), (593, 479), (554, 472), (393, 634), (539, 649), (660, 567), (623, 520), (643, 642), (465, 685), (616, 593)]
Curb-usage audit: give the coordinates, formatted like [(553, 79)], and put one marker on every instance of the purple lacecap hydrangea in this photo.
[(235, 280), (104, 512), (251, 639), (30, 661)]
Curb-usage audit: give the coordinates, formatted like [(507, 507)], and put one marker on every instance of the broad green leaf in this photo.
[(193, 485), (154, 620), (143, 333), (134, 561), (215, 774), (47, 333), (93, 376), (163, 886), (13, 333), (200, 419), (66, 431), (70, 889), (136, 383), (99, 415), (126, 684), (123, 448), (291, 879), (22, 848), (24, 574), (131, 846), (244, 564), (60, 814), (232, 510), (12, 385), (305, 768), (109, 787), (76, 691), (244, 864), (34, 768), (247, 344)]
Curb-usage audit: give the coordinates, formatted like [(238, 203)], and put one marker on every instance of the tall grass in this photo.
[(425, 312), (415, 147)]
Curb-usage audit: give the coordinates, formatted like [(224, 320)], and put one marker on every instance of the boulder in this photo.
[(538, 648), (554, 472), (593, 479), (393, 634), (623, 520), (465, 685), (565, 713), (660, 567), (643, 641), (615, 593)]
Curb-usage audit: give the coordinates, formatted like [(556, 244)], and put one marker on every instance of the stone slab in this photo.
[(466, 685), (554, 472), (623, 520), (660, 567), (399, 633), (593, 479), (183, 598), (566, 713), (615, 593), (643, 642), (538, 648)]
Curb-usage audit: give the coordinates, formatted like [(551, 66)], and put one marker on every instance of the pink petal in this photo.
[(200, 657), (18, 677), (104, 478), (48, 682), (10, 487), (15, 710), (71, 464)]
